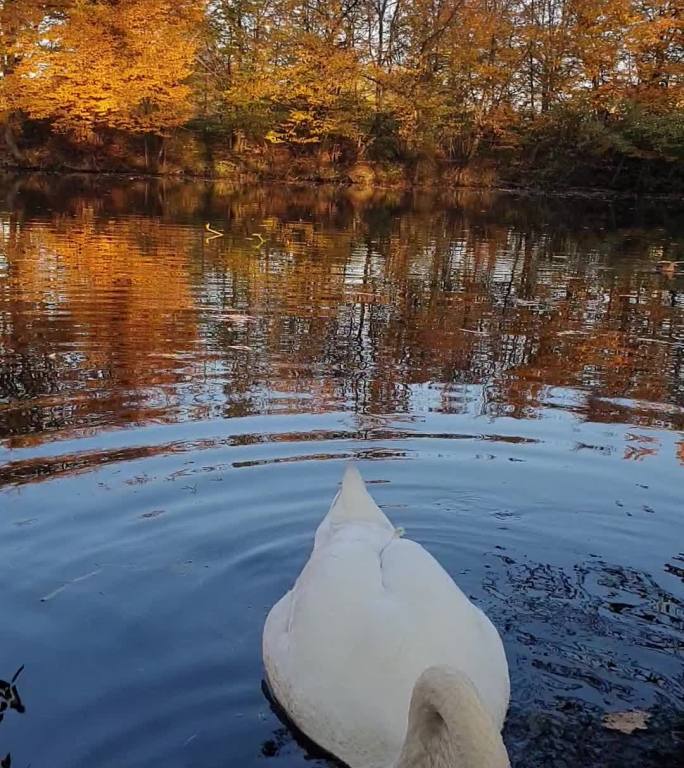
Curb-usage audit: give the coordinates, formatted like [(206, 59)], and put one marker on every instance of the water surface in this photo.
[(176, 409)]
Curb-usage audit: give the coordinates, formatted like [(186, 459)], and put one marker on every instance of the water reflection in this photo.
[(344, 301), (9, 695), (508, 370), (10, 700)]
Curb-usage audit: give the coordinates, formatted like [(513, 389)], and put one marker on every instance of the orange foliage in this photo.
[(411, 77), (146, 322), (122, 65)]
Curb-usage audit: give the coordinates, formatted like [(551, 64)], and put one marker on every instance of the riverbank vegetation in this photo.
[(551, 92)]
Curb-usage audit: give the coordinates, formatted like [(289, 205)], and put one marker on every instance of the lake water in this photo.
[(177, 407)]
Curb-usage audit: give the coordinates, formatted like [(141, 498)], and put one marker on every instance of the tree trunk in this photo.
[(10, 141), (161, 156)]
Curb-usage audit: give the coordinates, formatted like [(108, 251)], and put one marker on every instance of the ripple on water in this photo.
[(175, 415), (154, 621)]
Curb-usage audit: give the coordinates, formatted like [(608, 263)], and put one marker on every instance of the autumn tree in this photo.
[(656, 47), (600, 28), (19, 20), (321, 96), (597, 82), (101, 65)]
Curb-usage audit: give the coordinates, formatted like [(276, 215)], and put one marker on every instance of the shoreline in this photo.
[(531, 190)]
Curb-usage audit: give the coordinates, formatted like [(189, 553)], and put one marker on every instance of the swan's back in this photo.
[(368, 614)]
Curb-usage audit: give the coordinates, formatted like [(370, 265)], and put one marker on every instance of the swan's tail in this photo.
[(448, 718), (353, 504)]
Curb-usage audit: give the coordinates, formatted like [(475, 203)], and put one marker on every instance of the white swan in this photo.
[(378, 657)]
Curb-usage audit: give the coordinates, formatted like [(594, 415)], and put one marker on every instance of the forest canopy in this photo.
[(369, 80)]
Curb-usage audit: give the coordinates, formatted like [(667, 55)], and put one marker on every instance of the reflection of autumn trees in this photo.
[(342, 301), (95, 311)]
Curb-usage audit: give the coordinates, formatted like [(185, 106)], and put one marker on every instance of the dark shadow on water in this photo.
[(289, 733), (572, 736)]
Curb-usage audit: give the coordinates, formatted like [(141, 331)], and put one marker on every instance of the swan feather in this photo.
[(369, 613)]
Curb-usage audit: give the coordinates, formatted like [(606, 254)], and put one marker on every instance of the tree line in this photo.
[(556, 82)]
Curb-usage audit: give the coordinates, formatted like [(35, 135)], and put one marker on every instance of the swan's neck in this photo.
[(448, 726)]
